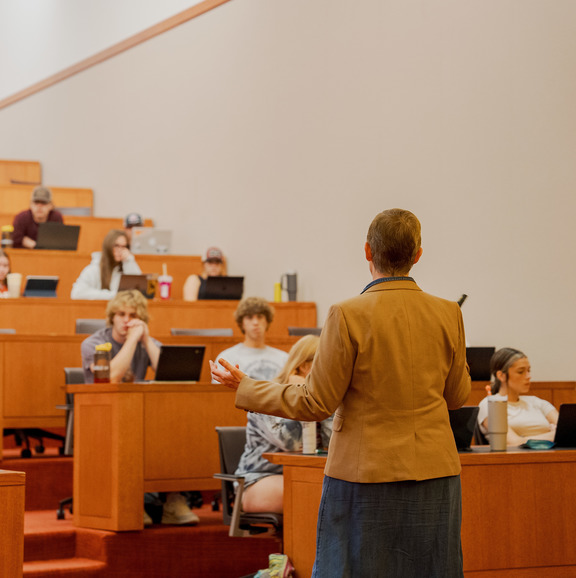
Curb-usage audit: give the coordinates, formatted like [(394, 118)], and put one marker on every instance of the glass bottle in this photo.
[(102, 363)]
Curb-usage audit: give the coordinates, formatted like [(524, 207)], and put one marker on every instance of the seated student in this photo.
[(258, 360), (264, 486), (4, 270), (26, 223), (529, 417), (132, 220), (101, 278), (214, 266), (133, 351)]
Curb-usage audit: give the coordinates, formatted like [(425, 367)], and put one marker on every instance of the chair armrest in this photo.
[(228, 477)]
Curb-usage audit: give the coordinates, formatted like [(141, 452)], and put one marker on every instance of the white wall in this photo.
[(276, 130), (39, 38)]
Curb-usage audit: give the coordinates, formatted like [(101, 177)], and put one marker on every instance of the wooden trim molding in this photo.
[(118, 48)]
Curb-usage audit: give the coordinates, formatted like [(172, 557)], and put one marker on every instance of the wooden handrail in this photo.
[(118, 48)]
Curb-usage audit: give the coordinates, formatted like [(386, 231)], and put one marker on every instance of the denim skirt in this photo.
[(395, 530)]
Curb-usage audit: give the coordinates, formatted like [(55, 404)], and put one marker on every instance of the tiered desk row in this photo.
[(518, 512)]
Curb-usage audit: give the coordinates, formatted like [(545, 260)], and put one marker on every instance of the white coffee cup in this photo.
[(308, 437), (497, 424), (14, 282)]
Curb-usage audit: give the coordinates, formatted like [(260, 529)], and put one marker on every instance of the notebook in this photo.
[(463, 422), (150, 241), (57, 237), (478, 359), (144, 283), (180, 363), (223, 288), (40, 286), (566, 428)]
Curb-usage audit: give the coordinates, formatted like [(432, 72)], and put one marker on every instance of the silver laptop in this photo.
[(150, 241)]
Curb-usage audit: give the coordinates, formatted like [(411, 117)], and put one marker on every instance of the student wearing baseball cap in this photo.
[(26, 223), (132, 220), (214, 266)]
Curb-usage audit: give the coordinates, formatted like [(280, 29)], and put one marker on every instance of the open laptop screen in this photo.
[(223, 288), (57, 237), (180, 363)]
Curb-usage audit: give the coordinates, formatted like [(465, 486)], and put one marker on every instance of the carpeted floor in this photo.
[(57, 548)]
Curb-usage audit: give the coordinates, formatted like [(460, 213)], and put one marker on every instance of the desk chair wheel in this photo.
[(216, 503), (26, 453), (40, 449)]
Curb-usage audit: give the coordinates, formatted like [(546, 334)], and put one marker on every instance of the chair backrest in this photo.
[(304, 331), (89, 326), (479, 438), (73, 375), (231, 442), (224, 332)]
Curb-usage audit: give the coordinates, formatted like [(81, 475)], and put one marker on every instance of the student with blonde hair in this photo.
[(264, 487)]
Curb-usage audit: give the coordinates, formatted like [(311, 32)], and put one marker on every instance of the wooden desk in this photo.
[(69, 264), (16, 198), (136, 438), (26, 400), (11, 523), (36, 316), (519, 512)]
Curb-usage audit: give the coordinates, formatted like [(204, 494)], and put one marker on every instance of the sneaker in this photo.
[(176, 511), (147, 519), (279, 566)]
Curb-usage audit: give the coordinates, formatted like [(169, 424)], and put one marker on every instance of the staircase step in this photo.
[(78, 567)]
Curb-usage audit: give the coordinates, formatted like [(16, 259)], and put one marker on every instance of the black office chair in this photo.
[(224, 332), (479, 438), (301, 331), (72, 376), (231, 442), (89, 326)]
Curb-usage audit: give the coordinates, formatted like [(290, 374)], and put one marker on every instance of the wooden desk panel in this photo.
[(132, 438), (32, 373), (519, 515), (34, 316), (92, 229), (24, 171), (69, 264), (556, 392), (16, 198), (12, 491)]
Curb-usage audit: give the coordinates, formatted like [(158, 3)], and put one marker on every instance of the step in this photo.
[(77, 567)]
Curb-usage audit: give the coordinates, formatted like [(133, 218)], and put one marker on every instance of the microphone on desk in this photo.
[(462, 299)]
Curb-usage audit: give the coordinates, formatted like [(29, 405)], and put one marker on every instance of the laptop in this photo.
[(478, 359), (565, 436), (150, 241), (180, 363), (463, 422), (224, 288), (40, 286), (57, 237), (144, 283)]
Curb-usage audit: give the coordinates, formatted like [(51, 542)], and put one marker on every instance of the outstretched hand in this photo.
[(230, 376)]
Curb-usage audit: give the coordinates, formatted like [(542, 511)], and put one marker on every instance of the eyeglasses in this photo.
[(118, 246)]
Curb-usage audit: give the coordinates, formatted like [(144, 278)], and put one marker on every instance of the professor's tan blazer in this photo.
[(390, 363)]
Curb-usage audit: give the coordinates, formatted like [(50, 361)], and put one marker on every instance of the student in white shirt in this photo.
[(529, 417)]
